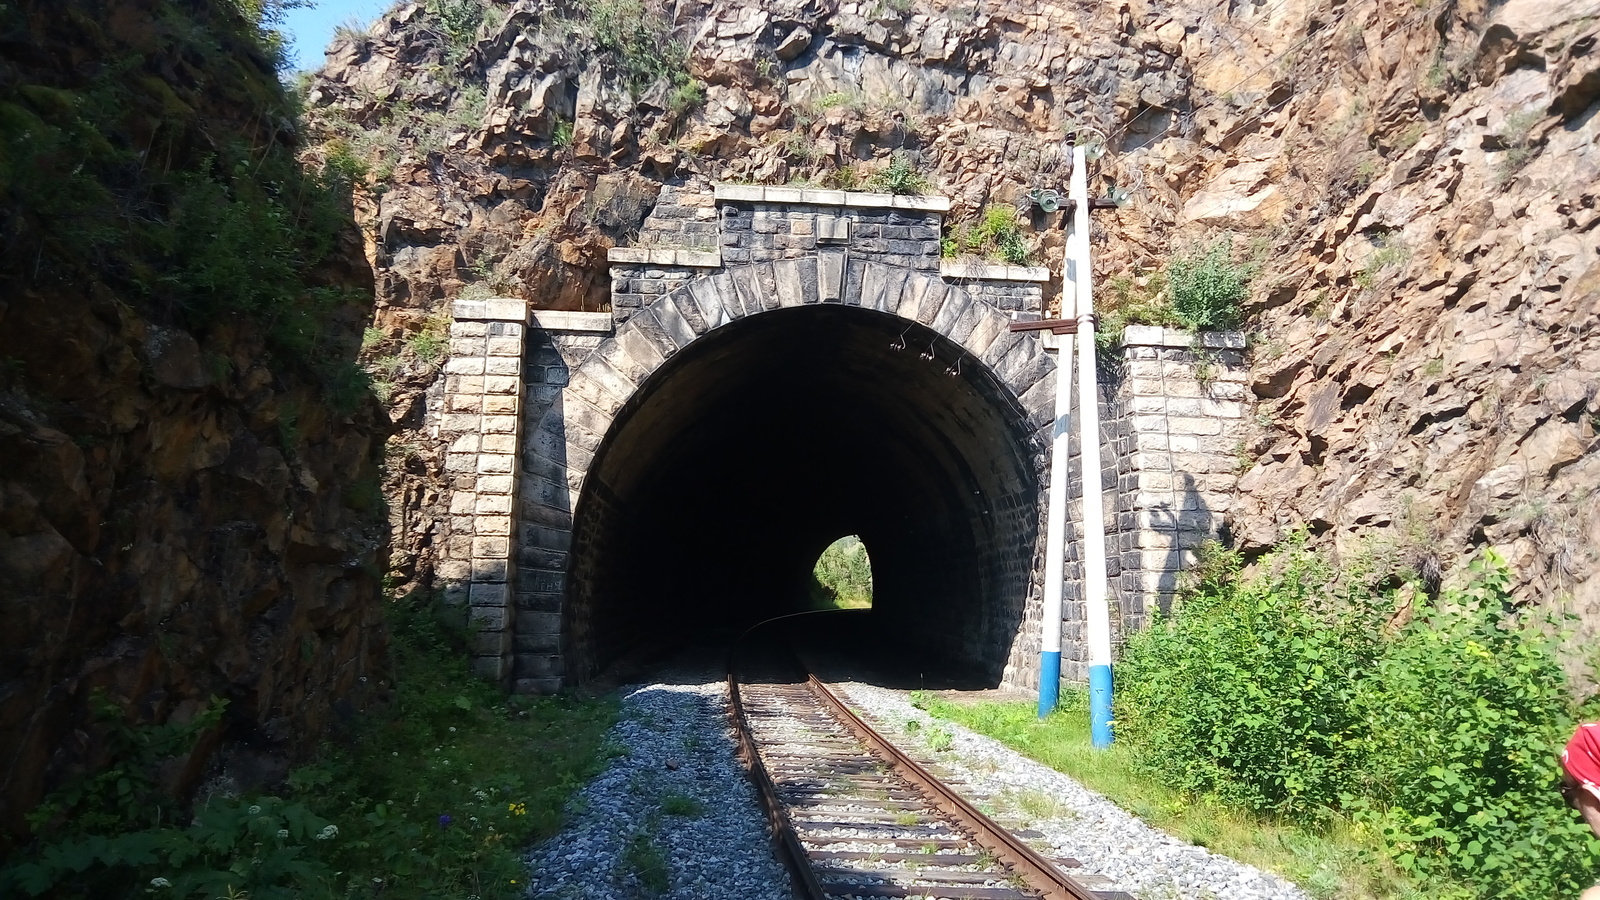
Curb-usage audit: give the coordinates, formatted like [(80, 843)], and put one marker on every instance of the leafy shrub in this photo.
[(1468, 710), (1248, 691), (1285, 691), (1207, 286)]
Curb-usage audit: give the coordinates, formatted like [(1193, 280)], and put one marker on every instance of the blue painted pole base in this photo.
[(1049, 680), (1100, 706)]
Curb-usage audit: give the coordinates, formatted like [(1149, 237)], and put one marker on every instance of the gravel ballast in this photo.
[(1079, 823), (674, 811), (674, 814)]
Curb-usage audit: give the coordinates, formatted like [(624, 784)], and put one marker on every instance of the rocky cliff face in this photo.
[(182, 512), (1412, 181), (1427, 355)]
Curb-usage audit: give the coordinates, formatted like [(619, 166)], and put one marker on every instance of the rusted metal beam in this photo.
[(1054, 326)]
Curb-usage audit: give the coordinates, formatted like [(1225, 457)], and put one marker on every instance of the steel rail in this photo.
[(1036, 872), (784, 835)]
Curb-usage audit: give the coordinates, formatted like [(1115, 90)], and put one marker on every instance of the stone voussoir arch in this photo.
[(610, 376)]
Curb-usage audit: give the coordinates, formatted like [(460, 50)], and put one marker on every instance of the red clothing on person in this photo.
[(1581, 758)]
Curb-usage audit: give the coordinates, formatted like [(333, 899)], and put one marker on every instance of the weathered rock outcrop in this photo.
[(182, 513), (1427, 356), (1413, 182)]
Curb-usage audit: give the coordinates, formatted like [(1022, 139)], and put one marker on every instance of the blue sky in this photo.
[(311, 29)]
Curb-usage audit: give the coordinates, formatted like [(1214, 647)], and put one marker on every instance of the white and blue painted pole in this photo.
[(1097, 616), (1055, 529)]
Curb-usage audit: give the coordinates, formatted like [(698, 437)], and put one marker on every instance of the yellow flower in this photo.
[(518, 809)]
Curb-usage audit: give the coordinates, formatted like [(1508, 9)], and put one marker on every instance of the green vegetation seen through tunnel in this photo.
[(842, 578)]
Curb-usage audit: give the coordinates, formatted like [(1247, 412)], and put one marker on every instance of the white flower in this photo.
[(254, 810), (452, 728), (283, 832), (329, 831), (160, 883)]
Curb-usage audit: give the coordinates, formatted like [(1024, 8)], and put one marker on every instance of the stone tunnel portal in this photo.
[(740, 459)]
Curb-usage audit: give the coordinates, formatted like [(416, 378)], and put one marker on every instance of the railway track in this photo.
[(854, 817)]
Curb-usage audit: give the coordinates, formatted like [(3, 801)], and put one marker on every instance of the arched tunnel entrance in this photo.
[(743, 456)]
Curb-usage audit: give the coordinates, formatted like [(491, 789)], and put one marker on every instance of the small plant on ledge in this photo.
[(901, 177), (997, 234), (1206, 287)]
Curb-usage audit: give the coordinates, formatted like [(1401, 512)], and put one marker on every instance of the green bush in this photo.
[(1248, 691), (1287, 692), (1207, 286), (1468, 710)]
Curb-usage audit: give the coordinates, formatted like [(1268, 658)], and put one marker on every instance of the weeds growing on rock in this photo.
[(1389, 252), (1515, 137), (901, 176), (675, 804), (643, 858), (1207, 287), (638, 41), (996, 234)]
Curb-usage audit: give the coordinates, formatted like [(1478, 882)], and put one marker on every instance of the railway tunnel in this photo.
[(743, 456)]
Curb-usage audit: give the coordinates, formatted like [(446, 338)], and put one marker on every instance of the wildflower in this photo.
[(160, 883), (283, 832), (444, 821), (518, 809), (328, 832), (452, 728), (254, 810), (481, 795)]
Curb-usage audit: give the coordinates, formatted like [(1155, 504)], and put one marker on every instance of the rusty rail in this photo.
[(1039, 873), (1036, 872), (792, 852)]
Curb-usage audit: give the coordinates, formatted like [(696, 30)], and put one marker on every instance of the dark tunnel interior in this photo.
[(747, 453)]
